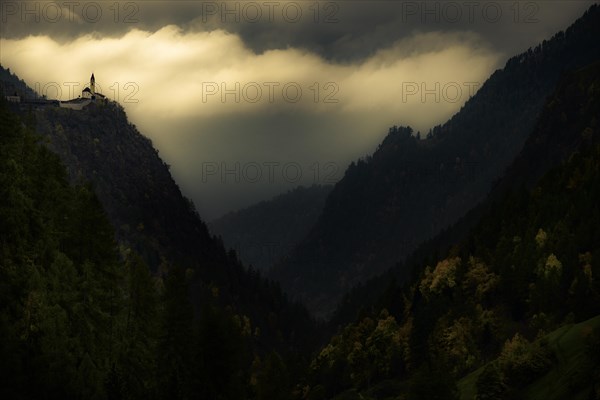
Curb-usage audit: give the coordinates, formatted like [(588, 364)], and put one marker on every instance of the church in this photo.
[(88, 95), (90, 92)]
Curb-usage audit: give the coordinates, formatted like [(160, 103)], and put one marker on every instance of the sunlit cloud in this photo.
[(212, 73), (209, 84)]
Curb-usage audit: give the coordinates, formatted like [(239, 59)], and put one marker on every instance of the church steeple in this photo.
[(88, 95)]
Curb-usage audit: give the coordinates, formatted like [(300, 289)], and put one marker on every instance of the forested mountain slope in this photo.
[(528, 266), (409, 190), (263, 233), (71, 254)]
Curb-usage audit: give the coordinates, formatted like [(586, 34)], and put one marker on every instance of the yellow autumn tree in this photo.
[(442, 277)]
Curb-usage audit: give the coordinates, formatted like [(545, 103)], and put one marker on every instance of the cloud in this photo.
[(281, 106), (202, 74), (345, 30)]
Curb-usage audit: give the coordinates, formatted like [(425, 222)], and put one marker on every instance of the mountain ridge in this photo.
[(151, 216), (408, 190), (519, 175), (527, 266), (264, 232)]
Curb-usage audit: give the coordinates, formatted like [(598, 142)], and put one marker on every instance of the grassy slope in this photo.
[(559, 383)]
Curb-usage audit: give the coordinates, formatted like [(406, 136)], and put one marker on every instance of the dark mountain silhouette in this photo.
[(263, 233), (150, 215), (409, 190), (527, 266), (568, 122)]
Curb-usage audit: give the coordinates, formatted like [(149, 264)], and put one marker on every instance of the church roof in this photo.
[(88, 90)]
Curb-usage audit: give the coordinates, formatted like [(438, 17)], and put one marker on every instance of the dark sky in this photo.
[(241, 96)]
